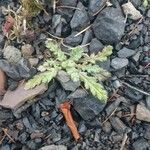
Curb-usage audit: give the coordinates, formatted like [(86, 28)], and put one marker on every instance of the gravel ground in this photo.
[(121, 124)]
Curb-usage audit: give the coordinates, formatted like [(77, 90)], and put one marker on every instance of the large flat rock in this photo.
[(16, 98)]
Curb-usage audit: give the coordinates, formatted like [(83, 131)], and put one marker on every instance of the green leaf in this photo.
[(54, 47), (91, 68), (76, 53), (44, 77), (95, 88), (74, 74), (68, 63), (107, 51)]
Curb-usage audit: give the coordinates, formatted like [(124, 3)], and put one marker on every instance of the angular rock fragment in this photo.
[(73, 40), (109, 25), (130, 10), (126, 52), (88, 107), (80, 18), (14, 99), (119, 63), (142, 113), (66, 82), (95, 6), (118, 125), (12, 54), (140, 144)]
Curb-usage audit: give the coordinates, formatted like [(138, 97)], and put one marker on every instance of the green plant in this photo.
[(77, 64), (146, 3)]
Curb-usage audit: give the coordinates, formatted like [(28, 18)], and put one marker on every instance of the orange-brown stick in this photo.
[(65, 108)]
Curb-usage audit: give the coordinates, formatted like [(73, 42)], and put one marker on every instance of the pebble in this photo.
[(27, 50), (140, 144), (125, 52), (142, 113), (119, 63), (12, 54), (73, 40), (80, 18), (95, 46)]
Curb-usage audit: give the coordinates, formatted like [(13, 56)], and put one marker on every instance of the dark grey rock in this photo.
[(80, 18), (32, 145), (9, 69), (126, 52), (5, 147), (95, 6), (72, 40), (133, 95), (79, 93), (140, 144), (119, 63), (111, 107), (65, 81), (87, 37), (55, 136), (23, 68), (88, 107), (148, 101), (82, 128), (56, 20), (95, 46), (5, 115), (148, 13), (12, 54), (147, 132), (118, 125), (109, 25)]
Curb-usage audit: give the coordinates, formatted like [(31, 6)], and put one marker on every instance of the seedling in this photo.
[(78, 65)]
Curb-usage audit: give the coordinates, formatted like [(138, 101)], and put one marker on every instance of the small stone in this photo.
[(5, 147), (73, 40), (88, 107), (35, 135), (56, 20), (148, 13), (16, 98), (54, 147), (95, 46), (66, 82), (126, 52), (9, 69), (33, 62), (130, 10), (27, 50), (140, 144), (148, 101), (119, 126), (80, 18), (119, 63), (94, 6), (142, 113), (12, 54), (109, 25)]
